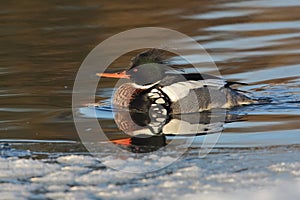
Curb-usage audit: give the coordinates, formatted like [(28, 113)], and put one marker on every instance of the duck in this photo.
[(156, 84)]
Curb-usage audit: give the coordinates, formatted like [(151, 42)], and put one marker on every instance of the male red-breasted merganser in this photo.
[(154, 83)]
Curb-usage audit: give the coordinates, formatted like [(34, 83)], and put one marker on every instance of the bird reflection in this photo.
[(147, 131)]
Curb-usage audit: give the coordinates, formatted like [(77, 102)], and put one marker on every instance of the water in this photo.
[(42, 46)]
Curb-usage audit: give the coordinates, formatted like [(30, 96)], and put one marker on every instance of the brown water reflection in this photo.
[(44, 42)]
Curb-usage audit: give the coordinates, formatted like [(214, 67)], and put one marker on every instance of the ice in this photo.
[(267, 173), (292, 168), (24, 168), (59, 177), (283, 190), (99, 177), (77, 160)]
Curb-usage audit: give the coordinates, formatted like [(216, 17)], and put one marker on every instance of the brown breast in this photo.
[(124, 95)]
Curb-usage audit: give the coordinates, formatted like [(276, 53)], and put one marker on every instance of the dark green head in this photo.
[(147, 74), (147, 67), (146, 57)]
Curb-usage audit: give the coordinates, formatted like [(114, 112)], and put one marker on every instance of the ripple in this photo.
[(274, 73), (257, 26), (222, 14), (263, 3), (251, 42), (102, 112), (22, 110), (71, 27)]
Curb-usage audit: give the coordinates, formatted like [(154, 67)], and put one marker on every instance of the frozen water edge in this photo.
[(263, 173)]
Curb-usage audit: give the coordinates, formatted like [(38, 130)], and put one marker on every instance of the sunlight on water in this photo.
[(221, 14), (287, 71), (257, 26), (252, 42), (263, 3)]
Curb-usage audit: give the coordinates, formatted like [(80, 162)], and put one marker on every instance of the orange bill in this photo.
[(126, 141), (114, 75)]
